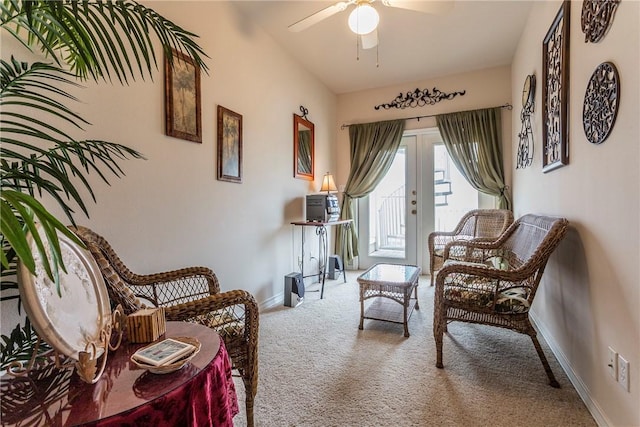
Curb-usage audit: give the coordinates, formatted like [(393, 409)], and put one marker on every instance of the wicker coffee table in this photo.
[(389, 284)]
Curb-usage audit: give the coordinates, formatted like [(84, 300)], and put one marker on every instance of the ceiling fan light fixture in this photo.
[(363, 19)]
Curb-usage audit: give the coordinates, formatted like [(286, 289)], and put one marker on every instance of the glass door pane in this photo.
[(387, 216), (453, 196), (387, 213)]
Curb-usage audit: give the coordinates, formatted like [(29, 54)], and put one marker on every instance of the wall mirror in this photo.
[(303, 148)]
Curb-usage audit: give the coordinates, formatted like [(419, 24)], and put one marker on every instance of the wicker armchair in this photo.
[(481, 224), (190, 294), (496, 281)]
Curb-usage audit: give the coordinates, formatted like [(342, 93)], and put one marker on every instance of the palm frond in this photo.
[(36, 155), (37, 87), (99, 38), (21, 216), (96, 39), (19, 345), (8, 280)]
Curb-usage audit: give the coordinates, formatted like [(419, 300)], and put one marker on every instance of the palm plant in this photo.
[(98, 40)]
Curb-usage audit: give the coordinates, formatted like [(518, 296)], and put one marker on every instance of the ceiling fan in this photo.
[(364, 19)]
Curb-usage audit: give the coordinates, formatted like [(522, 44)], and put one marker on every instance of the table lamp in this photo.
[(328, 184)]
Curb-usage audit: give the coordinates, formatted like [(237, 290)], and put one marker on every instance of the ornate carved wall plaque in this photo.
[(555, 92), (419, 98), (525, 137), (601, 101), (597, 16)]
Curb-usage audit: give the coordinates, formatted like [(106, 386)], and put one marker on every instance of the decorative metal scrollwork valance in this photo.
[(419, 98), (601, 101)]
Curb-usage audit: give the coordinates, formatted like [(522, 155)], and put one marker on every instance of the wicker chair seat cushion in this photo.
[(469, 290), (511, 301)]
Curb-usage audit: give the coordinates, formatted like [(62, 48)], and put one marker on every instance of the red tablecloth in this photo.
[(202, 393), (208, 399)]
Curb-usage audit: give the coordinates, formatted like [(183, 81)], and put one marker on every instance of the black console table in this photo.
[(321, 230)]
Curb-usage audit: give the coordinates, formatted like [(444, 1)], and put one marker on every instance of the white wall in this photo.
[(484, 89), (170, 211), (590, 293)]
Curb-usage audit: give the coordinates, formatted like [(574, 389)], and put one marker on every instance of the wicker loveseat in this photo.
[(495, 282), (190, 294), (483, 224)]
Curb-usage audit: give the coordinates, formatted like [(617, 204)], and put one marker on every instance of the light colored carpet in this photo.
[(318, 369)]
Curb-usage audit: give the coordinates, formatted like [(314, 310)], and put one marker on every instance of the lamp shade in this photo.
[(328, 184), (363, 19)]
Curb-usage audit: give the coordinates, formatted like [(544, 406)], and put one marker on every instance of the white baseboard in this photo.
[(277, 299), (593, 407)]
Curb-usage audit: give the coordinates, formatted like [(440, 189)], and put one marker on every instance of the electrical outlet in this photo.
[(623, 373), (612, 364)]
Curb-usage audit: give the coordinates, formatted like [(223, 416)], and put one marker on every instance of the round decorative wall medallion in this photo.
[(597, 16), (601, 101)]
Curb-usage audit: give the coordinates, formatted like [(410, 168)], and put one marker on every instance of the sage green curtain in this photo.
[(373, 148), (474, 144)]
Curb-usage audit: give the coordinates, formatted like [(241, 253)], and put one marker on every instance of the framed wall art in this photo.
[(182, 98), (597, 17), (555, 92), (229, 145)]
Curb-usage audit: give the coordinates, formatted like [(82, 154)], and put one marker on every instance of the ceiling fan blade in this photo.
[(425, 6), (367, 41), (313, 19)]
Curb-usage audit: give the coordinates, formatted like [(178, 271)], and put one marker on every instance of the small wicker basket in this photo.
[(175, 365)]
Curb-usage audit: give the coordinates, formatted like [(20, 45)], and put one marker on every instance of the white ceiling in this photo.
[(413, 46)]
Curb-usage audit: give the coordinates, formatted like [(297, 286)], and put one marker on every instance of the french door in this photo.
[(388, 217), (422, 192)]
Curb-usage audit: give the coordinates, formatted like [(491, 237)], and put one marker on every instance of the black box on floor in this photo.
[(335, 267), (293, 289)]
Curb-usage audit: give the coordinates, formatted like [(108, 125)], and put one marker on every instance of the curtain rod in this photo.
[(507, 106)]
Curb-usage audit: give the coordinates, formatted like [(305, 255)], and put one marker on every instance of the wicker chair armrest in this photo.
[(195, 273), (475, 250), (435, 234), (211, 303), (440, 237), (168, 276), (219, 302), (484, 272), (438, 240)]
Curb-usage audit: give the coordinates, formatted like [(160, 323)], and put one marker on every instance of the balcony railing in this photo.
[(391, 220)]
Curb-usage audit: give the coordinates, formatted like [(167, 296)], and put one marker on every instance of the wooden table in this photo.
[(389, 284), (201, 393)]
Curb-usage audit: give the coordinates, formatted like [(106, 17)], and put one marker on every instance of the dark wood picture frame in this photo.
[(555, 92), (182, 101), (229, 145), (303, 148)]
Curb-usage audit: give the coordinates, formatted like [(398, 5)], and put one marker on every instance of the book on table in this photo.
[(163, 352)]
